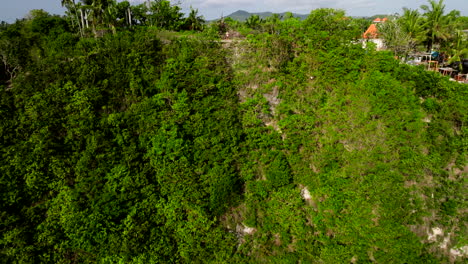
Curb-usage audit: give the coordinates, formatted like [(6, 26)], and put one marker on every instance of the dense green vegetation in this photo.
[(293, 144), (436, 28), (242, 15)]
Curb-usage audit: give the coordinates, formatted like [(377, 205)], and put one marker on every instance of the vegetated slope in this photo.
[(297, 146), (348, 151), (118, 149)]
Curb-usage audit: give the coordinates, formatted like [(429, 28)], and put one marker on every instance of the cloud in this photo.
[(357, 4)]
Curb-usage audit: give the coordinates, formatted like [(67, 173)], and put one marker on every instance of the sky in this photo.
[(211, 9)]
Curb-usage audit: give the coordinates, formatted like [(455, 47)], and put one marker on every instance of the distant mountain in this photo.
[(242, 15)]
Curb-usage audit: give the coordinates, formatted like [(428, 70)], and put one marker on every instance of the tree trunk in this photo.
[(430, 44), (82, 18), (77, 19), (129, 16), (86, 19)]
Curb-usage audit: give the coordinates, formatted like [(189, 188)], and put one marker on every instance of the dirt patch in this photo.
[(456, 172), (233, 217)]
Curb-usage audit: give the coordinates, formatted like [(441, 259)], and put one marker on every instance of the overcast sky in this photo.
[(210, 9)]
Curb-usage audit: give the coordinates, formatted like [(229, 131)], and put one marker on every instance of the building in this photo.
[(372, 34)]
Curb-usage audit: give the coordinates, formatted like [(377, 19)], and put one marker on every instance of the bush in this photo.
[(279, 172)]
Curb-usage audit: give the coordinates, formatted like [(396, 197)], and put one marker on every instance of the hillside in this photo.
[(162, 143)]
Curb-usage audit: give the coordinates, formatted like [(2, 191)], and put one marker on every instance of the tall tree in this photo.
[(194, 21), (99, 12), (272, 22), (396, 38), (164, 15), (459, 49), (403, 34), (411, 22), (254, 21), (436, 22), (71, 6)]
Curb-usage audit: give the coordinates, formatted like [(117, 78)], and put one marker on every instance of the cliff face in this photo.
[(365, 162), (291, 144)]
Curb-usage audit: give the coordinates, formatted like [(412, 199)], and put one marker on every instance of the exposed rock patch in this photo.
[(443, 241), (272, 98), (245, 230), (306, 194)]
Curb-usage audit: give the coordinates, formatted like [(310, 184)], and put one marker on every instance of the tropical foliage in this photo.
[(123, 142), (433, 29)]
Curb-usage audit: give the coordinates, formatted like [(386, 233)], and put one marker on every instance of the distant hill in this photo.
[(242, 15), (371, 18)]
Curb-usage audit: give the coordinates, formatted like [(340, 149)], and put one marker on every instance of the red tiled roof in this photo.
[(376, 20), (371, 32)]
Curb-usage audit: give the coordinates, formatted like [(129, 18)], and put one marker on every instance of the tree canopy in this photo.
[(133, 134)]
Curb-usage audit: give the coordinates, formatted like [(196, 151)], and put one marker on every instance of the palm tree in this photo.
[(253, 21), (411, 22), (85, 11), (272, 23), (408, 27), (194, 21), (110, 16), (98, 12), (71, 6), (459, 50), (436, 22)]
